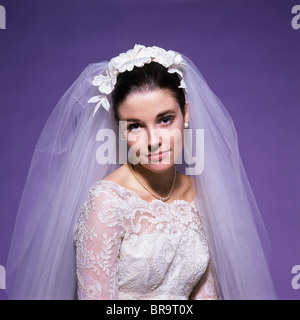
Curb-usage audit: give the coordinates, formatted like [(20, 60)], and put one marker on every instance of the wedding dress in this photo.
[(128, 248)]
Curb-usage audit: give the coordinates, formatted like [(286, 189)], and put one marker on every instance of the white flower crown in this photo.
[(136, 57)]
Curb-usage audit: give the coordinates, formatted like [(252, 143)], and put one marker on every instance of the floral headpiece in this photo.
[(136, 57)]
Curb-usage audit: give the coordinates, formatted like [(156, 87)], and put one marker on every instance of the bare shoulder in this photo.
[(119, 176)]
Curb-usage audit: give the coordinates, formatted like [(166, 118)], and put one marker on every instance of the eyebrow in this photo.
[(162, 114)]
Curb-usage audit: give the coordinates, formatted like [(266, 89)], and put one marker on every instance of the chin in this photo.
[(158, 167), (157, 164)]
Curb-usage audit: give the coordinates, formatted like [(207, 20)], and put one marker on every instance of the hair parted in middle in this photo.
[(150, 77)]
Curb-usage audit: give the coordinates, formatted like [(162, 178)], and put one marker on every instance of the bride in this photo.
[(153, 226)]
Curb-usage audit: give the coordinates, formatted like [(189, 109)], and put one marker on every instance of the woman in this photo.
[(145, 230), (149, 255)]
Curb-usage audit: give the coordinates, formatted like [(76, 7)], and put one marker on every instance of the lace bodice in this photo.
[(127, 248)]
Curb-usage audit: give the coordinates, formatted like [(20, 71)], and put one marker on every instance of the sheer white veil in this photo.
[(236, 234), (41, 262)]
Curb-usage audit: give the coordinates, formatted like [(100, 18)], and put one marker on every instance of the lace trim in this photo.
[(114, 257), (126, 190)]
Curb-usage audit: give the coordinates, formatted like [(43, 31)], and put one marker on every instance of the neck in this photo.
[(159, 182)]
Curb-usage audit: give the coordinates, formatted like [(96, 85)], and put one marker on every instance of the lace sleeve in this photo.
[(97, 239), (206, 289)]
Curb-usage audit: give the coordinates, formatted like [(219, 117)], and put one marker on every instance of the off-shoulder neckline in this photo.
[(176, 201)]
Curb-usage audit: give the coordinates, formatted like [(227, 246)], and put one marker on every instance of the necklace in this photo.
[(150, 191)]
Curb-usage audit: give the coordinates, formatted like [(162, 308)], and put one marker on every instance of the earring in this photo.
[(186, 125)]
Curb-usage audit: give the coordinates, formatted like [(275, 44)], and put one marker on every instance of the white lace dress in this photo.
[(128, 248)]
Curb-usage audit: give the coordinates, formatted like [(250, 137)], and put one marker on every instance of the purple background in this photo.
[(246, 50)]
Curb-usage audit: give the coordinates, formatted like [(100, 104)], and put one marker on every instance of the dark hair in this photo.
[(151, 76)]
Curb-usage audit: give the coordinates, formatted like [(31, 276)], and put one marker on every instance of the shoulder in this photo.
[(110, 184), (110, 189), (104, 195), (101, 206), (119, 176)]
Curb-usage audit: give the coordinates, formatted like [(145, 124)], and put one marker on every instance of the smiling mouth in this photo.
[(158, 156)]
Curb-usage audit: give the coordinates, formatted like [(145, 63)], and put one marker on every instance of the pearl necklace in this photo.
[(151, 192)]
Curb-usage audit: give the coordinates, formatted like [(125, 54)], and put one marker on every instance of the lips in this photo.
[(157, 156)]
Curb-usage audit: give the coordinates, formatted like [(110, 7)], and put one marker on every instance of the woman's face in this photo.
[(153, 127)]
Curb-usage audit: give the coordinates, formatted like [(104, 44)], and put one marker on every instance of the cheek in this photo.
[(178, 143), (177, 134), (137, 141), (173, 140)]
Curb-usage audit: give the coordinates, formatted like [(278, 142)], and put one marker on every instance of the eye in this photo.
[(167, 120), (133, 126)]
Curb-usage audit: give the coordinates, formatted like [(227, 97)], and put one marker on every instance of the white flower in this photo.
[(136, 57), (182, 84), (105, 84), (162, 57), (168, 59)]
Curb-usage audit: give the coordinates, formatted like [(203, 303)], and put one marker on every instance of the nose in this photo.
[(154, 140)]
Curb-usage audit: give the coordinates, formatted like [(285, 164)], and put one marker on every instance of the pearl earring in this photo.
[(186, 125)]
